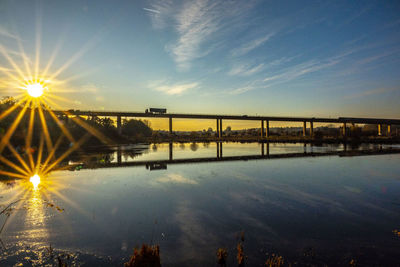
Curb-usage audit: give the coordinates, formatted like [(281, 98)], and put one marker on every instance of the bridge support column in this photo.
[(344, 129), (119, 155), (170, 126), (267, 129), (220, 128), (304, 129), (217, 132), (379, 129), (388, 130), (262, 129), (171, 148), (311, 129), (119, 125)]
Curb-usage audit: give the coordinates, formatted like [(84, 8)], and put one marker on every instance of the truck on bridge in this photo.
[(157, 110)]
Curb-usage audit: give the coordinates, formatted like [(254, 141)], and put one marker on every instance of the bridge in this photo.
[(264, 120), (264, 155)]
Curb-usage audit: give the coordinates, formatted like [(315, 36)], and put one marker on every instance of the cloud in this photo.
[(5, 32), (173, 89), (199, 24), (245, 69), (376, 91), (152, 10), (287, 75), (160, 13), (247, 47), (242, 90), (176, 179), (195, 24), (89, 87), (300, 70)]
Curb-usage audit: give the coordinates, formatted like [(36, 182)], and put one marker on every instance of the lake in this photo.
[(309, 204)]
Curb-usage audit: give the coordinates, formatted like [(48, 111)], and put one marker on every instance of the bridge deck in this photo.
[(229, 117)]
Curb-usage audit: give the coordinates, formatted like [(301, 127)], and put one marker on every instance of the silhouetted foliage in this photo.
[(222, 255), (136, 128), (147, 256), (105, 126)]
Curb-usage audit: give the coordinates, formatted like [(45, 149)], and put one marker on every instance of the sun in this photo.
[(35, 89)]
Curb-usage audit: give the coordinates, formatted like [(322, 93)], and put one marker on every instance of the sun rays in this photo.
[(47, 140)]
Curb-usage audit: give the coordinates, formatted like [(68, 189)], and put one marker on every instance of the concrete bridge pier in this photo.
[(267, 128), (217, 132), (119, 155), (304, 129), (267, 144), (219, 150), (171, 147), (170, 126), (262, 129), (119, 125), (262, 149), (379, 129), (220, 128), (311, 129), (344, 129)]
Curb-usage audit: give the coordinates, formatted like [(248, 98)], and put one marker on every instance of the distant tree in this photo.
[(194, 146), (136, 128)]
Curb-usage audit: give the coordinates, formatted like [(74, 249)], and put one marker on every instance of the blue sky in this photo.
[(298, 58)]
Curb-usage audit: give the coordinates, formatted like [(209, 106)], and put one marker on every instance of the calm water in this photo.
[(327, 209)]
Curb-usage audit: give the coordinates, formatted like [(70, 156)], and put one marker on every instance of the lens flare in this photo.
[(35, 180), (35, 90)]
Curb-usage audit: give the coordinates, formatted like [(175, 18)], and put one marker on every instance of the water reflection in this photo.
[(35, 219), (166, 154), (283, 205), (35, 180)]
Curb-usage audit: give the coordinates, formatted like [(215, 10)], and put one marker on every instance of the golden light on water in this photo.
[(35, 89), (35, 180)]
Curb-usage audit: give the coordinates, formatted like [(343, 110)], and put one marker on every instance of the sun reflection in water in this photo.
[(35, 180)]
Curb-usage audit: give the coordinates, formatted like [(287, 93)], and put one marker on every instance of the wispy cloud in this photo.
[(196, 23), (245, 69), (199, 24), (287, 74), (242, 90), (89, 87), (175, 178), (152, 10), (160, 13), (377, 91), (249, 46), (5, 32), (300, 70), (173, 89)]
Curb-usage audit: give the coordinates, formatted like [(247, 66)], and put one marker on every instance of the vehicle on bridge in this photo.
[(157, 110)]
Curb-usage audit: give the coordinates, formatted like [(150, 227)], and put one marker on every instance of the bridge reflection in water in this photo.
[(160, 164)]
